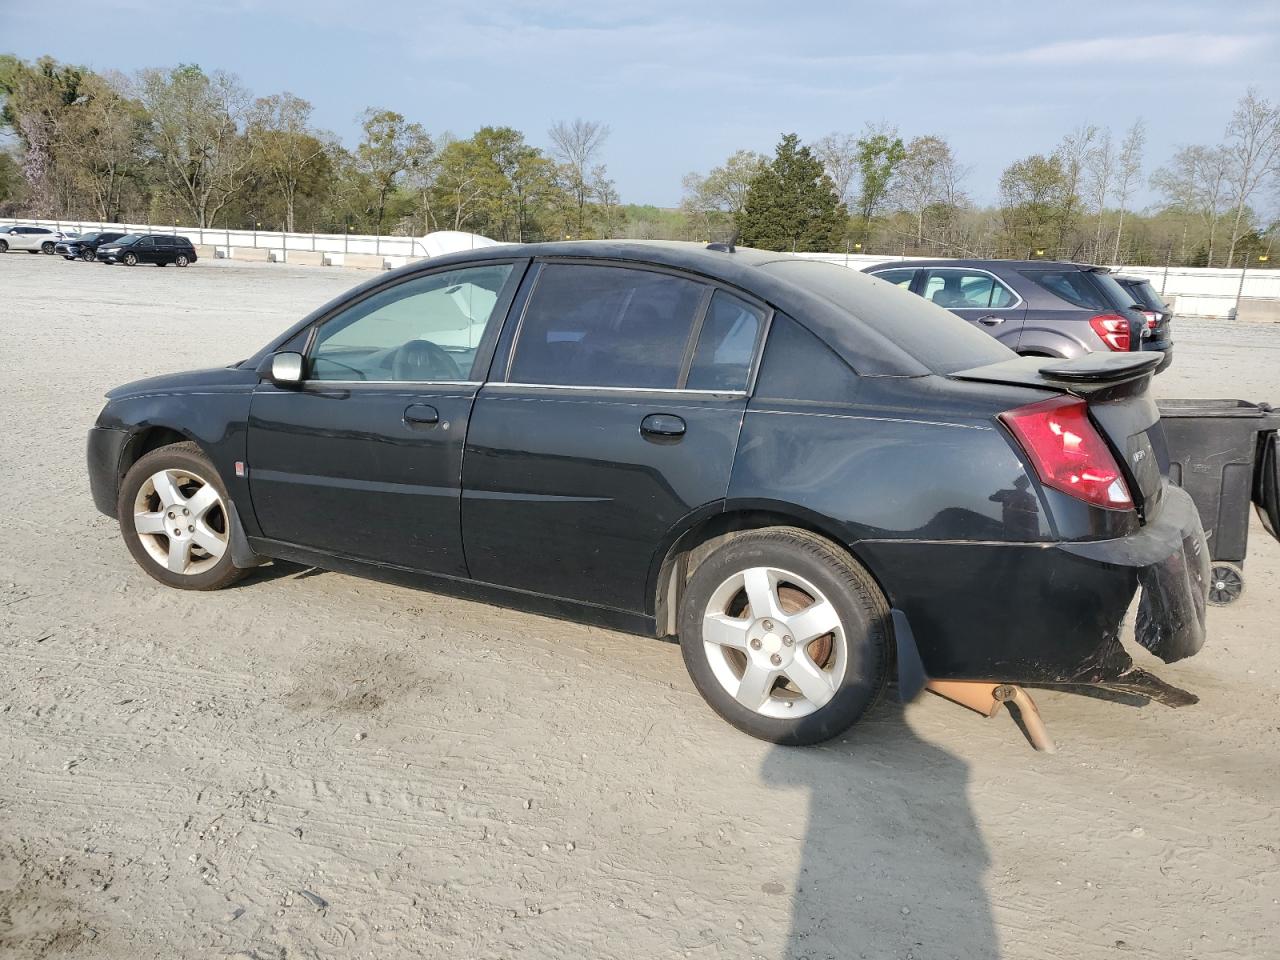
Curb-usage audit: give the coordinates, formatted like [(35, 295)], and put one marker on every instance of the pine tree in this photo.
[(792, 204)]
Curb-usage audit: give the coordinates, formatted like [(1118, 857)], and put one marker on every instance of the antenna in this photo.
[(729, 247)]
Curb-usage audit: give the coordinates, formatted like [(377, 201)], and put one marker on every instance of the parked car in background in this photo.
[(802, 473), (1037, 308), (161, 249), (30, 239), (1158, 313), (84, 247)]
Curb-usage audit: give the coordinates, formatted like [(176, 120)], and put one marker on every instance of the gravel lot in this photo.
[(311, 765)]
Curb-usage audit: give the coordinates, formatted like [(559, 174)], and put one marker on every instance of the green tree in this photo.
[(289, 152), (37, 100), (196, 132), (879, 152), (791, 203), (1033, 203), (717, 200), (390, 147)]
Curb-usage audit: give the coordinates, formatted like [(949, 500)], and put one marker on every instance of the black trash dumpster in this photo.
[(1223, 453)]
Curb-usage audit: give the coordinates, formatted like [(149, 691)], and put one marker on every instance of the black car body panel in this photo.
[(580, 500), (89, 243)]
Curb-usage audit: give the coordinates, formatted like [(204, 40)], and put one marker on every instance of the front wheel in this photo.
[(130, 260), (785, 636), (175, 520), (88, 256)]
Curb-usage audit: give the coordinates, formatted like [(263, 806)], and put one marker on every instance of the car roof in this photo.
[(986, 264), (878, 329)]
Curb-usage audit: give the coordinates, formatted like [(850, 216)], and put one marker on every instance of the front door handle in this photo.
[(662, 427), (421, 414), (990, 321)]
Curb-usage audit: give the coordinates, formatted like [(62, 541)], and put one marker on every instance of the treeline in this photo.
[(194, 147)]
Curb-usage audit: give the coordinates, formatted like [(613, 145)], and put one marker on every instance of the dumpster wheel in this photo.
[(1226, 583)]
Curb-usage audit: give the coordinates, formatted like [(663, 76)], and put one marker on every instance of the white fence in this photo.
[(264, 239)]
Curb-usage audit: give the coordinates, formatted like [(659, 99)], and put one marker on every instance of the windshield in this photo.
[(129, 238), (89, 236)]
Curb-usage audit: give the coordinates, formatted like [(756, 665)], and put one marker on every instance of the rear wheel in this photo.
[(88, 256), (182, 260), (785, 636), (1226, 584), (4, 246), (47, 247), (175, 520)]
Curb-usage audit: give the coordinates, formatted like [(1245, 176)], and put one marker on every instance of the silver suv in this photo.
[(30, 239)]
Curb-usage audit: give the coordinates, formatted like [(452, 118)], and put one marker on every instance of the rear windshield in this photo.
[(939, 339), (1074, 286), (1121, 297), (1145, 294)]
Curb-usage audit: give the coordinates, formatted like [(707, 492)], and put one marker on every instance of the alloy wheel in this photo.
[(181, 521), (130, 260), (775, 642)]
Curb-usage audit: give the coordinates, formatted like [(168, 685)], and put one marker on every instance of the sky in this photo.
[(683, 84)]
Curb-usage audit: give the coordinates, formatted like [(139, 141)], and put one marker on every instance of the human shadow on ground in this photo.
[(893, 863)]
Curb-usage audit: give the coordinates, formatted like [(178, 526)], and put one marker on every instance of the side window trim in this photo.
[(995, 281), (498, 319), (507, 355)]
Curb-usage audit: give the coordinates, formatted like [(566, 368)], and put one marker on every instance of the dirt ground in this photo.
[(312, 765)]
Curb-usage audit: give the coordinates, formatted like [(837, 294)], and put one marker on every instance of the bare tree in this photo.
[(196, 132), (1253, 152), (716, 200), (288, 148), (102, 134), (577, 145), (1195, 181), (922, 178), (1100, 170), (1072, 153), (1128, 170), (838, 153)]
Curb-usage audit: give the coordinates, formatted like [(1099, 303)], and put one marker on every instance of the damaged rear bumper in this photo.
[(1171, 558)]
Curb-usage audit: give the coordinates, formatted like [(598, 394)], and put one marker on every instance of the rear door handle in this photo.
[(662, 426), (421, 414), (990, 321)]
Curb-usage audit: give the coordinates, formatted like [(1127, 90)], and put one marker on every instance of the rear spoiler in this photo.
[(1089, 373)]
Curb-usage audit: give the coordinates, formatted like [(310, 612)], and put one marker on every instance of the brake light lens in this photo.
[(1152, 318), (1113, 329), (1067, 451)]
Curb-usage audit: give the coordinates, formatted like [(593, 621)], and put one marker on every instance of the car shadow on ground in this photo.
[(893, 863)]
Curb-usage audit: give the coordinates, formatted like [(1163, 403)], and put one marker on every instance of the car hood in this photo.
[(211, 380)]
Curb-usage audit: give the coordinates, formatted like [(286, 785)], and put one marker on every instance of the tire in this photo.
[(4, 246), (88, 256), (130, 260), (47, 248), (1226, 583), (722, 637), (155, 492), (182, 260)]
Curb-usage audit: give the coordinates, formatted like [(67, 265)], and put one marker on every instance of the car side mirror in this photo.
[(284, 369)]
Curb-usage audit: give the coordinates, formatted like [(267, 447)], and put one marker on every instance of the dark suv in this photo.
[(85, 247), (802, 473), (1158, 313), (1038, 308), (158, 248)]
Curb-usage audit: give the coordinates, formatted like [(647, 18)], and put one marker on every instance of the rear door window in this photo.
[(958, 289), (606, 326), (726, 344), (1074, 286)]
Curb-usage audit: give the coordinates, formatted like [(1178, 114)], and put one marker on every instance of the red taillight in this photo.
[(1113, 329), (1068, 452), (1152, 318)]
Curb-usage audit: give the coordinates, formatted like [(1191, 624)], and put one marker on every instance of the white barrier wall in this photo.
[(270, 240)]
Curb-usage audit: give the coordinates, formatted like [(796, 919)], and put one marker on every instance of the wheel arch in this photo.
[(701, 532), (152, 436)]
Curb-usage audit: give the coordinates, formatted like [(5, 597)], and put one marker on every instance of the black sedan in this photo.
[(85, 247), (804, 473)]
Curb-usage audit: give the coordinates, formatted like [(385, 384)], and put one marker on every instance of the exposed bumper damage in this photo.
[(1067, 635)]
